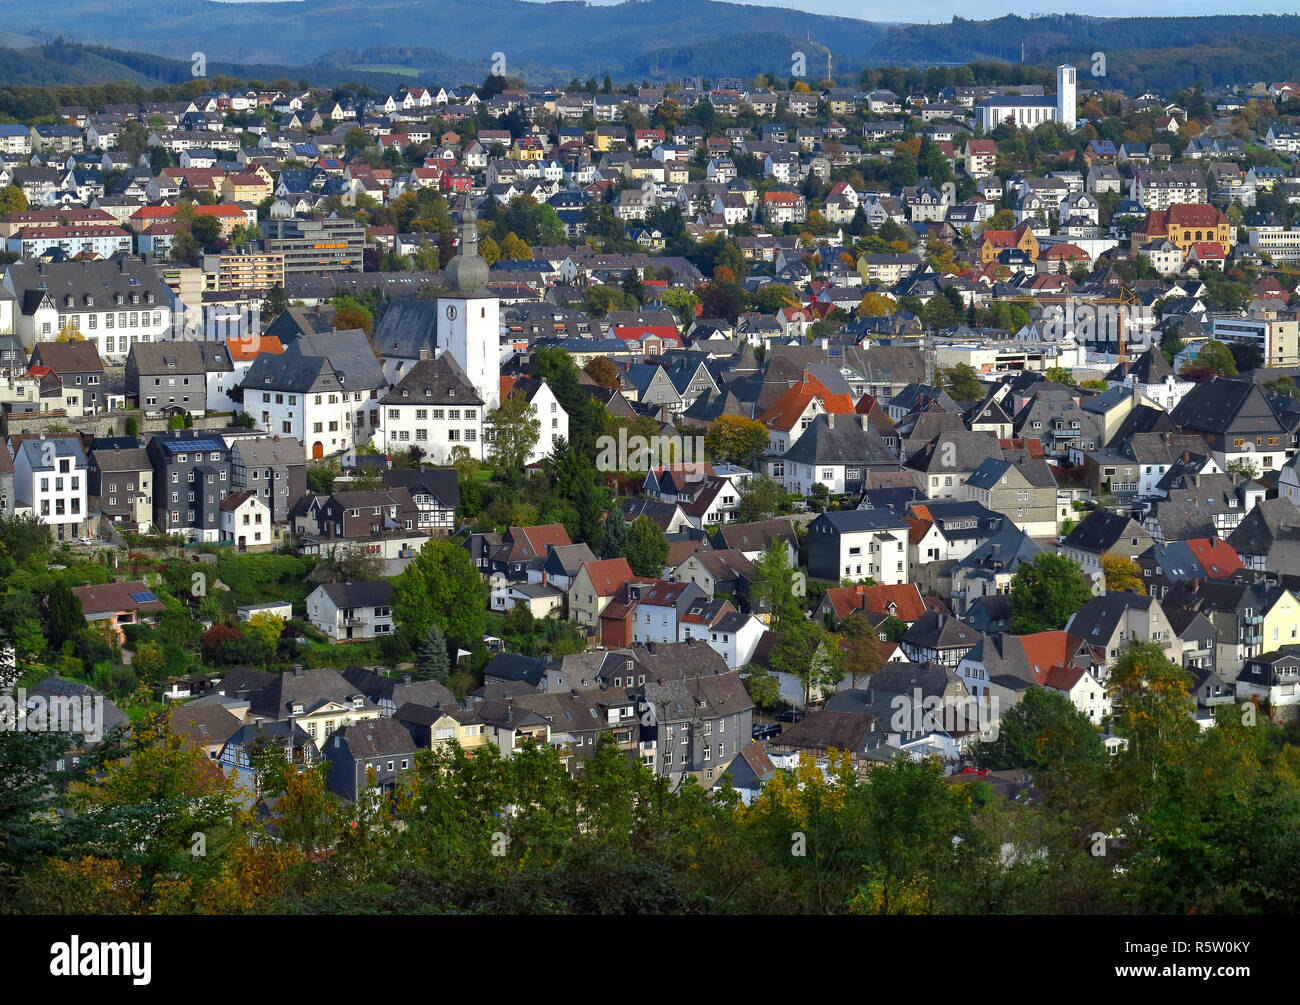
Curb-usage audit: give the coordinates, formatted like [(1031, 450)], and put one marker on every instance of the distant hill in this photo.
[(370, 41), (560, 39)]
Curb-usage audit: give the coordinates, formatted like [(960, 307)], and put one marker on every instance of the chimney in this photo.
[(830, 420)]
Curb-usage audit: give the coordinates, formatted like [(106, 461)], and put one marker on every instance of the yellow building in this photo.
[(247, 187), (1281, 623), (994, 242)]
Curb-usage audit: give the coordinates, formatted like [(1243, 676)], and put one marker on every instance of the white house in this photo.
[(51, 475), (735, 638), (435, 408), (350, 611), (245, 521)]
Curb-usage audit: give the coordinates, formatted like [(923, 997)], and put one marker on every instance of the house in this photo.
[(173, 376), (121, 479), (1271, 677), (700, 722), (1101, 534), (79, 366), (938, 638), (110, 606), (1235, 418), (191, 475), (594, 586), (436, 493), (647, 610), (245, 521), (433, 407), (206, 727), (113, 304), (368, 756), (1024, 490), (1107, 623), (351, 611), (858, 544), (272, 467), (51, 476)]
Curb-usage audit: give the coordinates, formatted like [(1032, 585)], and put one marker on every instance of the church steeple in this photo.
[(467, 272)]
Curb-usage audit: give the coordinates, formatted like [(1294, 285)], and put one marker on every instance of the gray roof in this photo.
[(408, 325), (376, 593), (181, 357), (433, 382), (839, 440), (349, 351)]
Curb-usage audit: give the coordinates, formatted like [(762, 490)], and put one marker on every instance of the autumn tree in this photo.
[(736, 439), (1122, 574), (602, 371)]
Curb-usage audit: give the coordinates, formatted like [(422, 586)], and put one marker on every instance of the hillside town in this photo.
[(803, 430)]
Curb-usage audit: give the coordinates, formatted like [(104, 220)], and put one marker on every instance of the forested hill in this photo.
[(330, 41)]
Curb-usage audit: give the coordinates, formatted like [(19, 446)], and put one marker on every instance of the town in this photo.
[(910, 463)]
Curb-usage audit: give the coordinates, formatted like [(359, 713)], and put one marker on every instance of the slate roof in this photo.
[(841, 441), (377, 593), (433, 382)]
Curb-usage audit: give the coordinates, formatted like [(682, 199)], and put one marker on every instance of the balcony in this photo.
[(353, 622)]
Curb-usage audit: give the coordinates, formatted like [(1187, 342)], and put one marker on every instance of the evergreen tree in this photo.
[(432, 661), (615, 534)]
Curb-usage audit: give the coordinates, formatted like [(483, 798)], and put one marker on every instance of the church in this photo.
[(442, 402), (1028, 112)]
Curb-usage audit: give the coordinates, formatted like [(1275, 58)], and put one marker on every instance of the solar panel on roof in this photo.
[(146, 597)]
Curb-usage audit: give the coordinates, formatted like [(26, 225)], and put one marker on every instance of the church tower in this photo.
[(469, 317), (1065, 96)]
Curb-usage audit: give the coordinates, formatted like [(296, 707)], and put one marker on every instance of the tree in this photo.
[(489, 250), (64, 615), (1122, 574), (441, 587), (432, 660), (321, 480), (861, 646), (876, 305), (633, 286), (1243, 466), (760, 499), (646, 549), (515, 431), (602, 371), (615, 536), (1043, 732), (1045, 592), (1217, 357), (12, 200), (805, 650), (962, 382), (736, 439), (514, 249), (773, 587)]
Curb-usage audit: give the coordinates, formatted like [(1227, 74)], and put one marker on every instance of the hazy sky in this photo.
[(979, 10)]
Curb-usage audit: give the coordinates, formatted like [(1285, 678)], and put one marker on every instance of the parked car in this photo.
[(791, 715), (765, 730)]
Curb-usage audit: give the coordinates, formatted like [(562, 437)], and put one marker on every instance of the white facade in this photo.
[(51, 475), (469, 327), (248, 525), (435, 429)]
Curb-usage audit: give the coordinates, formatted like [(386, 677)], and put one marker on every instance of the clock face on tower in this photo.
[(451, 312)]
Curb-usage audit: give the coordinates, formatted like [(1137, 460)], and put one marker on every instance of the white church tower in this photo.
[(1065, 96), (469, 319)]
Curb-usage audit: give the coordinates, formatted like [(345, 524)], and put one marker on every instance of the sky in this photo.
[(982, 10), (920, 11)]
